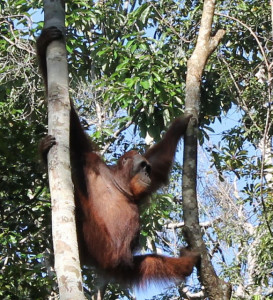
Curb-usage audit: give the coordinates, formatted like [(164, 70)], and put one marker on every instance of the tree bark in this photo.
[(215, 288), (67, 264)]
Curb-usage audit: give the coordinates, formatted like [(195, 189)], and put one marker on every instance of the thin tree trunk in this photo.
[(215, 288), (67, 265)]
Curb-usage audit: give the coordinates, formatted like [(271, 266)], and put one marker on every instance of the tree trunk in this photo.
[(215, 288), (67, 265)]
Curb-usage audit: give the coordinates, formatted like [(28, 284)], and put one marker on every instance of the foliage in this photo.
[(25, 209), (127, 66)]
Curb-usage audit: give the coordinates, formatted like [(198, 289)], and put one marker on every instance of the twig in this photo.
[(168, 24), (115, 135), (252, 33)]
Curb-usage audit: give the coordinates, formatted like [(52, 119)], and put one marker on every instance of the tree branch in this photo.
[(66, 255), (204, 225), (214, 286)]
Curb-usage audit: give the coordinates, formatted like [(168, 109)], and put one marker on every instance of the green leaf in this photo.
[(145, 84)]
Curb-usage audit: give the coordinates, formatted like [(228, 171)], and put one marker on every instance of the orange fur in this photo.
[(108, 197)]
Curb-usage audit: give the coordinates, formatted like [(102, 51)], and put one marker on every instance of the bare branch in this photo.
[(215, 287), (204, 225)]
